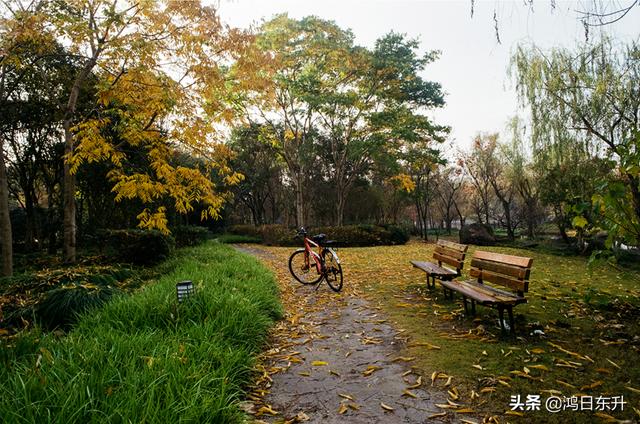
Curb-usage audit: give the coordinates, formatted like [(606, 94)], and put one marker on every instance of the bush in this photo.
[(141, 247), (236, 238), (61, 307), (189, 235), (279, 235), (245, 230), (345, 236), (364, 235)]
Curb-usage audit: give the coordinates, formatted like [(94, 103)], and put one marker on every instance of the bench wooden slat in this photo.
[(500, 268), (443, 250), (433, 269), (453, 246), (492, 277), (483, 294), (501, 257), (448, 260)]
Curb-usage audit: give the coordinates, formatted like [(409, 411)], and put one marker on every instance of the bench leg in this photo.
[(473, 307), (501, 315), (464, 300), (511, 323)]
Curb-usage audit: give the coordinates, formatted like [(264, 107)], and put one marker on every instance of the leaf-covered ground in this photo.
[(578, 335)]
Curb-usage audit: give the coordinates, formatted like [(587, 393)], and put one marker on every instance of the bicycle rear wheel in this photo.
[(333, 269), (303, 268)]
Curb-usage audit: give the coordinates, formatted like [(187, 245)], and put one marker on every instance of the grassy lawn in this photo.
[(589, 320), (143, 357)]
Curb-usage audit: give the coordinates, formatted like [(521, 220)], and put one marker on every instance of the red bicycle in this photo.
[(326, 264)]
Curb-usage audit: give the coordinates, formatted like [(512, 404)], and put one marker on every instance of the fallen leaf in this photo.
[(633, 389), (409, 394), (319, 363), (417, 384), (343, 408), (304, 373), (606, 417), (266, 410), (465, 411), (537, 351), (334, 373), (613, 363), (479, 366), (403, 359), (370, 370), (386, 407), (438, 415), (346, 396), (516, 413)]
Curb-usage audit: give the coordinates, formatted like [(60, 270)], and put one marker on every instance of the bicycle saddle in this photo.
[(319, 238)]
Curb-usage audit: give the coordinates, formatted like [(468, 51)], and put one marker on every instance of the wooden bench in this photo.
[(511, 272), (448, 252)]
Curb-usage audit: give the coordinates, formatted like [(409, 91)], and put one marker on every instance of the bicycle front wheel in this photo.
[(303, 267), (333, 269)]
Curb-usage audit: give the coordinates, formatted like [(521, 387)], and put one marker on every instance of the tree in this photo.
[(258, 162), (320, 88), (594, 95), (156, 63), (486, 168), (448, 188), (22, 29), (371, 107)]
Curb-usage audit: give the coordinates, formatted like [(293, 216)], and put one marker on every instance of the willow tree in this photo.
[(156, 62), (594, 95)]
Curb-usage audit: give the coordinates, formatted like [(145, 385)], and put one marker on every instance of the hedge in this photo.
[(345, 236)]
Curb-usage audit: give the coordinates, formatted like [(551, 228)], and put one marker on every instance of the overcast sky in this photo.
[(473, 67)]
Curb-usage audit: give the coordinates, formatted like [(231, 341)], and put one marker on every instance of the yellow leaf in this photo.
[(516, 413), (346, 396), (539, 367), (465, 411), (370, 370), (386, 407), (403, 358), (537, 351), (319, 363), (438, 415), (477, 366), (266, 410), (417, 384), (409, 394), (343, 408)]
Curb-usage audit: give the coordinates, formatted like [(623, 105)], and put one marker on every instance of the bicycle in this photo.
[(326, 262)]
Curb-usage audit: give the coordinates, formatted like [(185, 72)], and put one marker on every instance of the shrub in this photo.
[(61, 307), (236, 238), (279, 235), (189, 235), (245, 230), (141, 247)]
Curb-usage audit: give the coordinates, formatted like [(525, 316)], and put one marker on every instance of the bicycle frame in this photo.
[(308, 247)]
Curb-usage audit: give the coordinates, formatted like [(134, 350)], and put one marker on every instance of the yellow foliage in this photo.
[(403, 182)]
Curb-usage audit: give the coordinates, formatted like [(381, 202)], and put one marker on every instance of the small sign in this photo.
[(184, 289)]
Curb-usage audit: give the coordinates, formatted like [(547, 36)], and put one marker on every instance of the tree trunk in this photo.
[(299, 199), (69, 199), (6, 245)]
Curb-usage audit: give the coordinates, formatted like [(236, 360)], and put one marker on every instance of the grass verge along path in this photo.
[(143, 357)]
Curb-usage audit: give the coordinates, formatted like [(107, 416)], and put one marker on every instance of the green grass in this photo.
[(592, 313), (143, 357)]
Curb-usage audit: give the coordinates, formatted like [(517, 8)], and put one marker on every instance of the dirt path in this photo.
[(335, 358)]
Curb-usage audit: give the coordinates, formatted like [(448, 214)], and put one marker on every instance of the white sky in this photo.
[(473, 67)]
